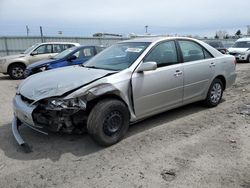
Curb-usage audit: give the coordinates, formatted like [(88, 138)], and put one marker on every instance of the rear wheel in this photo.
[(215, 93), (16, 71), (108, 121)]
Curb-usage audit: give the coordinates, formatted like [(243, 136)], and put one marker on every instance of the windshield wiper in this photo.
[(92, 67)]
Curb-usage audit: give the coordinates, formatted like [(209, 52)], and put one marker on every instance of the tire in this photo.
[(16, 71), (108, 122), (215, 93)]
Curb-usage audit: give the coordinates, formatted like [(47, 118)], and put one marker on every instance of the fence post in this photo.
[(6, 45)]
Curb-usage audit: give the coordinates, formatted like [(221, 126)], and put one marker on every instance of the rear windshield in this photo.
[(242, 44), (216, 44)]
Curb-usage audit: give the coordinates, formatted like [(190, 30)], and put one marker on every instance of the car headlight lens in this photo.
[(74, 103)]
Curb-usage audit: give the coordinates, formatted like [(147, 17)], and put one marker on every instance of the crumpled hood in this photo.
[(13, 56), (237, 50), (58, 81), (41, 63)]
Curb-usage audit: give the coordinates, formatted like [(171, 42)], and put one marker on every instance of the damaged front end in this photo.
[(52, 114), (57, 114)]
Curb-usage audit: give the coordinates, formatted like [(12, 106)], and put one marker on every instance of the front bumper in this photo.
[(23, 116), (240, 57)]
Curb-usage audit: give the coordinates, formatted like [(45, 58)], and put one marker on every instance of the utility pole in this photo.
[(27, 30), (146, 27), (41, 32), (248, 30)]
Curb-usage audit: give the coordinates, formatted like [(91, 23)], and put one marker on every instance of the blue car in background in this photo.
[(72, 56)]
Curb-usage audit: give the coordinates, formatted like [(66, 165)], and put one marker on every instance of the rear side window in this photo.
[(163, 54), (66, 46), (57, 48), (192, 51)]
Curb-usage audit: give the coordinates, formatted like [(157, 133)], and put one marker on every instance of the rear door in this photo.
[(160, 89), (199, 68)]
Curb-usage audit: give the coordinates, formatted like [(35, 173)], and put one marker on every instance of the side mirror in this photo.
[(147, 66), (34, 53), (71, 58)]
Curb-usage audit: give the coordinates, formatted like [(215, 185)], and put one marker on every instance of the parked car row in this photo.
[(72, 56), (15, 65), (125, 83), (241, 50)]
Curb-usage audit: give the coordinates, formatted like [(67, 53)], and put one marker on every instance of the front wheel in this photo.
[(16, 71), (108, 121), (215, 93)]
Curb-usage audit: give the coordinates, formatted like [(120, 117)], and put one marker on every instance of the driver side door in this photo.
[(161, 89), (42, 52)]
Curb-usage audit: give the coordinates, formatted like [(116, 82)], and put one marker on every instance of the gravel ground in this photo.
[(191, 146)]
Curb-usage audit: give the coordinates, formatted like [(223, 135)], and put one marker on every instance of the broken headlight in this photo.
[(74, 103)]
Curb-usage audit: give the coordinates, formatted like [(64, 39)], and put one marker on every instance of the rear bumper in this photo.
[(231, 79)]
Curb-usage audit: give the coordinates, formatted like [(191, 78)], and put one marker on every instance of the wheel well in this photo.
[(15, 63), (92, 103), (223, 80)]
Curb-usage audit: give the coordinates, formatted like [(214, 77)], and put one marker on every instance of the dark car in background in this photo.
[(72, 56), (218, 45)]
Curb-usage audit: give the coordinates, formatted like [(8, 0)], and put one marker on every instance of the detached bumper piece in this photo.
[(16, 123)]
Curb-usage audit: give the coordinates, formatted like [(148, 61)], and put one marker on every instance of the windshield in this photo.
[(27, 51), (242, 44), (65, 53), (118, 57)]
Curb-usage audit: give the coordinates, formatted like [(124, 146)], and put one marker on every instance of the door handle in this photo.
[(212, 64), (178, 73)]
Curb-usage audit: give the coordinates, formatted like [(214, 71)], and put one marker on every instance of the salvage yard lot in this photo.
[(192, 146)]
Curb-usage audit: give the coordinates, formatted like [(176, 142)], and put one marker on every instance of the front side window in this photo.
[(44, 49), (163, 54), (192, 51), (118, 57), (99, 49)]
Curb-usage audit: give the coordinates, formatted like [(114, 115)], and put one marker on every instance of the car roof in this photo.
[(243, 39), (156, 39), (75, 43)]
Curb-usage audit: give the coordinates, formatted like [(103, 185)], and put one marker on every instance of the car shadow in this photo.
[(53, 146), (5, 77)]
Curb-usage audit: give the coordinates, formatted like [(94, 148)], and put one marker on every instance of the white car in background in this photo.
[(241, 50), (14, 65)]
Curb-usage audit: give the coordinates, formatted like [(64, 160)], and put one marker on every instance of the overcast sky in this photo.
[(83, 18)]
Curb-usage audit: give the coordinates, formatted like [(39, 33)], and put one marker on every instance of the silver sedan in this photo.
[(125, 83)]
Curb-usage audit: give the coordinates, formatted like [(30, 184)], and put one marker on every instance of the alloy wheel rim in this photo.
[(216, 93), (17, 72)]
